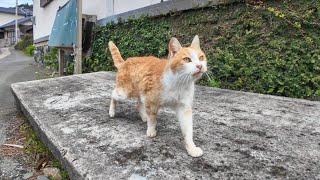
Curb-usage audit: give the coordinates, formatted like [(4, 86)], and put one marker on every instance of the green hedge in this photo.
[(271, 48)]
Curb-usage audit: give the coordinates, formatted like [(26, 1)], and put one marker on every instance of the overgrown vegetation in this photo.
[(38, 152), (29, 51), (270, 48), (51, 59), (26, 45), (26, 41)]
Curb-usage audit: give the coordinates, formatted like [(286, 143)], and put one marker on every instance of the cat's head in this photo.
[(187, 60)]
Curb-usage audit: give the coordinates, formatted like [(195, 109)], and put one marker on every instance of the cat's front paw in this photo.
[(151, 132), (195, 151)]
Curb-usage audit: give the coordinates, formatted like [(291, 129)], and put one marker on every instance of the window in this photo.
[(11, 35)]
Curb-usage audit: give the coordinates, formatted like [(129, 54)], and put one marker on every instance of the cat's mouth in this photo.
[(197, 73)]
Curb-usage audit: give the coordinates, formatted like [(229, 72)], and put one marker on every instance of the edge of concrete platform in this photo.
[(57, 152), (48, 141)]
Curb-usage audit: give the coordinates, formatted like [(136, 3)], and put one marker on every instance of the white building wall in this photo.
[(95, 7), (6, 17), (121, 6), (44, 17)]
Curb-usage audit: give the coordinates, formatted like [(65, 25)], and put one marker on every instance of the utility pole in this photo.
[(78, 63), (16, 22)]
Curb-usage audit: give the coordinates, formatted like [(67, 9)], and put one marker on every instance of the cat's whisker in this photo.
[(189, 75), (208, 76), (181, 80), (186, 80), (178, 81)]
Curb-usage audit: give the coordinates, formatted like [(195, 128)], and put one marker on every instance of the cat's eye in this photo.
[(186, 59), (201, 58)]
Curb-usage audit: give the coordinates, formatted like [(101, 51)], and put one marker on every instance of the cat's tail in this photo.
[(116, 56)]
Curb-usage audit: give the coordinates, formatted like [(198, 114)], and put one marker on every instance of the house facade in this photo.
[(9, 14), (8, 31), (44, 12), (7, 24)]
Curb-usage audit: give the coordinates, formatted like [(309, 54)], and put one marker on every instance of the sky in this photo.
[(12, 3)]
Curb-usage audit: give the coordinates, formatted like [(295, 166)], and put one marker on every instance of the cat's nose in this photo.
[(199, 66)]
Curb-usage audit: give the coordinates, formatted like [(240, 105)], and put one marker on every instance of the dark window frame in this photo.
[(44, 3)]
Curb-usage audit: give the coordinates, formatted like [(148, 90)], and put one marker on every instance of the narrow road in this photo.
[(14, 67)]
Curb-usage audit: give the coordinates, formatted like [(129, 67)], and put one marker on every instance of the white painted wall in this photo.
[(6, 17), (95, 7), (44, 17), (121, 6)]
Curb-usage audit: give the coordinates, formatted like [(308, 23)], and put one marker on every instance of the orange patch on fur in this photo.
[(141, 76)]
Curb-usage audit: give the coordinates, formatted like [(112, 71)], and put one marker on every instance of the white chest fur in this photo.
[(178, 91)]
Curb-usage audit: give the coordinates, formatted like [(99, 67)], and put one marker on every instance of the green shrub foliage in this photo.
[(141, 37), (271, 48), (51, 59), (26, 41), (30, 50)]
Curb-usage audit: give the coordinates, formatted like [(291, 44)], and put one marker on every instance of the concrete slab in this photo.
[(243, 135)]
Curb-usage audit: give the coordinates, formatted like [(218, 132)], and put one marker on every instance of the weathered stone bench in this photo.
[(243, 135)]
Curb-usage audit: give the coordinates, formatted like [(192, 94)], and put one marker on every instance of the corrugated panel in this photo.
[(64, 30)]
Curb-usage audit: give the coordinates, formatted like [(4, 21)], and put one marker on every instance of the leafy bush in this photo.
[(140, 37), (26, 41), (51, 59), (271, 48), (30, 50)]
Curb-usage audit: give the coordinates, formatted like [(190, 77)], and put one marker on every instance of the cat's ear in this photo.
[(174, 47), (195, 42)]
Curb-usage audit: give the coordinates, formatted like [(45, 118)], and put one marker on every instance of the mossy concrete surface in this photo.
[(243, 135)]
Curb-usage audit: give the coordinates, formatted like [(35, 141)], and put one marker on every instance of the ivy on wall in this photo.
[(271, 48), (137, 37)]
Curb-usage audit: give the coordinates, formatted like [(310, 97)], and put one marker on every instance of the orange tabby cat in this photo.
[(157, 83)]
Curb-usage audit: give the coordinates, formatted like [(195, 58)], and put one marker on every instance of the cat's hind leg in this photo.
[(112, 109), (142, 111), (117, 95), (152, 111)]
